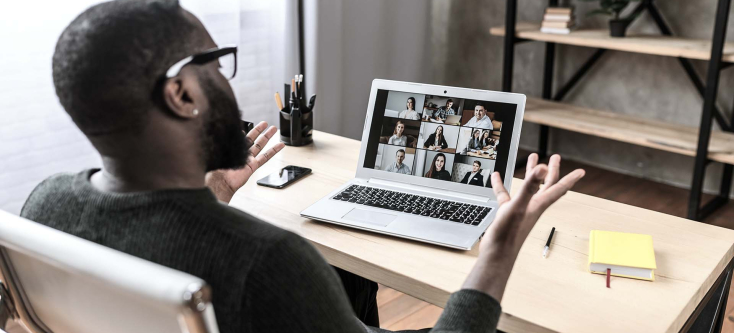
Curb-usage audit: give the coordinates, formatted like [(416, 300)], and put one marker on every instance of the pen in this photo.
[(278, 102), (298, 92), (301, 91), (547, 244)]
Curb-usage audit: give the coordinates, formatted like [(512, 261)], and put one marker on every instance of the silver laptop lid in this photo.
[(435, 153)]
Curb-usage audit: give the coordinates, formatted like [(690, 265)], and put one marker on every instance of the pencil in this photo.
[(278, 101), (294, 88)]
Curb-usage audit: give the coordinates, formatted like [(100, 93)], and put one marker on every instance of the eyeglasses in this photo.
[(226, 55)]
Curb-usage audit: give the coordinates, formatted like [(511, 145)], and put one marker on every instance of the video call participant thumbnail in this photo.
[(398, 166), (475, 142), (474, 177), (444, 111), (409, 112), (438, 168), (480, 119), (397, 137), (436, 140)]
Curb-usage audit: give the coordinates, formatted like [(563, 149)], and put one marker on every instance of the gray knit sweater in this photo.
[(264, 279)]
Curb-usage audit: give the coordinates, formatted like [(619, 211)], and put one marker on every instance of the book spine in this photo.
[(557, 18), (560, 25), (558, 10), (560, 31)]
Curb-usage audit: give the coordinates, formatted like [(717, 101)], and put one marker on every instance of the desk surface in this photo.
[(542, 295)]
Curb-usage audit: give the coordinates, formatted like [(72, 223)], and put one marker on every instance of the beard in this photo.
[(224, 144)]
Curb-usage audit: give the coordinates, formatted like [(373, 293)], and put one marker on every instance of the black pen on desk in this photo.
[(547, 244)]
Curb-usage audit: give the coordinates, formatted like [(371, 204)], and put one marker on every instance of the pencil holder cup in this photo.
[(296, 125)]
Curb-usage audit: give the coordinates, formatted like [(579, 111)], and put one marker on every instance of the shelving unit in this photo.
[(700, 142)]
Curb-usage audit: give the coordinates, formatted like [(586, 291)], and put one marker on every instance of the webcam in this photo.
[(444, 91)]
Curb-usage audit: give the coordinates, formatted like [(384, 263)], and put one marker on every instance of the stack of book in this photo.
[(558, 20)]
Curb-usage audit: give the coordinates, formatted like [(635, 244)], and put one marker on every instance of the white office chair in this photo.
[(54, 282)]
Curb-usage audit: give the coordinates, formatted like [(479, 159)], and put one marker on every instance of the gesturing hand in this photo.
[(224, 183), (515, 218)]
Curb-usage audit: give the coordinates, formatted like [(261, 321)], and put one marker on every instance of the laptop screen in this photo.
[(444, 138)]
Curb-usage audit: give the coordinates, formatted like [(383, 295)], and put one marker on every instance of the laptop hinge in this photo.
[(429, 190)]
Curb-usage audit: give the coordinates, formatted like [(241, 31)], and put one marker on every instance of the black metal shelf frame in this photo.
[(708, 92)]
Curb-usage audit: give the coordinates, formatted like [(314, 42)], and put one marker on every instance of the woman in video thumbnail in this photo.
[(486, 141), (410, 112), (475, 176), (474, 143), (397, 137), (437, 171), (436, 140)]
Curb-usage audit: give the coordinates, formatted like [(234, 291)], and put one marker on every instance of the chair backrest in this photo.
[(60, 283)]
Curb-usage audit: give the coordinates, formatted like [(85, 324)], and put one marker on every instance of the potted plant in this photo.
[(617, 25)]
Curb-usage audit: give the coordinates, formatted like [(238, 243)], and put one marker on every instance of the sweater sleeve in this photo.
[(293, 289)]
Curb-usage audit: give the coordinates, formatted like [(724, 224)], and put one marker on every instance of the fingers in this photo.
[(554, 166), (531, 185), (262, 138), (555, 192), (499, 189), (532, 162), (255, 131), (268, 154)]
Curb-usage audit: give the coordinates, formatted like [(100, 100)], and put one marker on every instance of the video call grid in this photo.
[(424, 120)]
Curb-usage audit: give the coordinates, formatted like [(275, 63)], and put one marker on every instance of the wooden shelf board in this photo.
[(636, 43), (635, 130)]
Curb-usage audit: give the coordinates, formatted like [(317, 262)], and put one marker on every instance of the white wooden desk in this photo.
[(556, 294)]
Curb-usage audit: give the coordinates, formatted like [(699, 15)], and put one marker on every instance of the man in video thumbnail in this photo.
[(444, 111), (475, 176), (480, 119), (398, 166)]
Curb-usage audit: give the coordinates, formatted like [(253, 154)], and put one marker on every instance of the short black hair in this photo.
[(400, 151), (110, 60), (477, 162)]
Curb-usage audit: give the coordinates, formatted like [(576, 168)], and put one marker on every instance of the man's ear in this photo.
[(177, 97)]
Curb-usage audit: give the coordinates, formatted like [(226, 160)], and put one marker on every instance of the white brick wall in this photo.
[(38, 139)]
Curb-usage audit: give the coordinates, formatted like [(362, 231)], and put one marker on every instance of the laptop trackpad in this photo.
[(370, 217)]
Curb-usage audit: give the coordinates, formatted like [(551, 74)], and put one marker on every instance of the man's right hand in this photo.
[(514, 220)]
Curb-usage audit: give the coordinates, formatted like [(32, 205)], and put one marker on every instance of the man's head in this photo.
[(109, 71), (449, 103), (476, 166), (480, 111), (400, 156)]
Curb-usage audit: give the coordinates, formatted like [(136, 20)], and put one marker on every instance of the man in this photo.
[(475, 176), (165, 126), (398, 166), (480, 119), (443, 111)]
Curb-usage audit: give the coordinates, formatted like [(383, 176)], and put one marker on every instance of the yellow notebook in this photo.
[(627, 255)]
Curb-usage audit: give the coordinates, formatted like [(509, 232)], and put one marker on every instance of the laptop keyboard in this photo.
[(414, 204)]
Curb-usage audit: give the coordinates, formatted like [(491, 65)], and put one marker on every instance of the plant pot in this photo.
[(617, 28)]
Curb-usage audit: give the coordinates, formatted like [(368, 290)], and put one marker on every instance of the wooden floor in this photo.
[(399, 311)]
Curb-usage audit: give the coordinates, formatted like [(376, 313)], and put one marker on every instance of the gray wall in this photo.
[(648, 86)]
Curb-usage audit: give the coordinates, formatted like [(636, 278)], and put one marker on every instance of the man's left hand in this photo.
[(224, 183)]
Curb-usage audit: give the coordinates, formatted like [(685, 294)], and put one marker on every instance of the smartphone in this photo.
[(284, 177)]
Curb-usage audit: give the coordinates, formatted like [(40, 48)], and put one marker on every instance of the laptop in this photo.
[(420, 194), (453, 120)]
